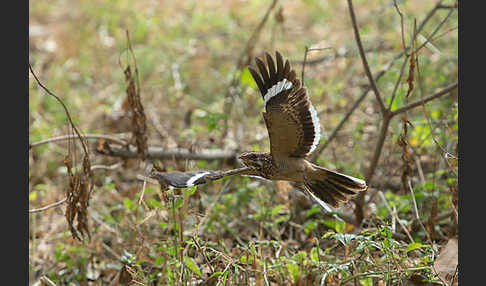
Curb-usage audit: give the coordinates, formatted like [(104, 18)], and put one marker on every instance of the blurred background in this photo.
[(198, 95)]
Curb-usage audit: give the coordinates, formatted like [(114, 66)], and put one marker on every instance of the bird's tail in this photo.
[(328, 187)]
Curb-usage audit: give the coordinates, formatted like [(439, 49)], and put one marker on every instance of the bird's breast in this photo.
[(289, 169)]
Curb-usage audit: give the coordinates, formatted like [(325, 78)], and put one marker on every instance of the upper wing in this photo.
[(292, 122)]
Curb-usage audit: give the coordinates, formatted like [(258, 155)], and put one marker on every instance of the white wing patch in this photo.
[(285, 85), (319, 201), (276, 89), (317, 128), (356, 180), (194, 178)]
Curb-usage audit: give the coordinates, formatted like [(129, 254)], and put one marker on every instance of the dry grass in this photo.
[(240, 230)]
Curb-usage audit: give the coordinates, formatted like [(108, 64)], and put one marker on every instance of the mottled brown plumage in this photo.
[(294, 132)]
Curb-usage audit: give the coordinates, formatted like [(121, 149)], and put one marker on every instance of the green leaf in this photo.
[(328, 234), (314, 254), (345, 238), (189, 263), (190, 191), (246, 78), (33, 196), (414, 245), (310, 225), (294, 270), (313, 210), (155, 203), (368, 281), (128, 203), (218, 273), (276, 210), (159, 260), (179, 202)]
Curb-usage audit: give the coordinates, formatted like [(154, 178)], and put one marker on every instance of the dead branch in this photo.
[(68, 115), (80, 184), (347, 54), (445, 91), (53, 205), (364, 60), (153, 152), (139, 125), (86, 136), (243, 60), (316, 154), (356, 104)]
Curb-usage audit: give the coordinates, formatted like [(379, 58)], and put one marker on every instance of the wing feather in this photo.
[(292, 122)]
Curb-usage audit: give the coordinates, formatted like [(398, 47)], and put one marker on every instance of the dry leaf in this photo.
[(447, 261)]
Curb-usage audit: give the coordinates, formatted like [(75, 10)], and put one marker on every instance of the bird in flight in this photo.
[(294, 131)]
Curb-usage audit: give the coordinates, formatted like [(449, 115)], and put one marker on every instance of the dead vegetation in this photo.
[(183, 100)]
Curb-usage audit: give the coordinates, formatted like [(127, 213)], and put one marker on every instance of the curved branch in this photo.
[(364, 60), (69, 137), (424, 100), (53, 205)]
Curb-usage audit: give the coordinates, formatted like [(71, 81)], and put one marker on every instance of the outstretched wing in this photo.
[(182, 179), (190, 179), (292, 122)]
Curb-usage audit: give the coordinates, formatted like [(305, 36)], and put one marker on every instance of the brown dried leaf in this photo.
[(447, 262), (78, 196), (124, 277), (406, 154), (139, 126)]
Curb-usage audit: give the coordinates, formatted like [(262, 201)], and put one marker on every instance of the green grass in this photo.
[(240, 230)]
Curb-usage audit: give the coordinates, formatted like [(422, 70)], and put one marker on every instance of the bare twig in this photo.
[(207, 214), (104, 167), (454, 6), (415, 208), (416, 103), (68, 115), (348, 53), (397, 83), (46, 281), (307, 50), (243, 60), (364, 60), (401, 23), (86, 136), (334, 133), (394, 214), (53, 205)]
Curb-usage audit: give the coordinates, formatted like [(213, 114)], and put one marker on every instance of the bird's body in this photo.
[(268, 167), (294, 131)]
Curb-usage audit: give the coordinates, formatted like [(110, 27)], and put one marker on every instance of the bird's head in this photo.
[(255, 160)]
